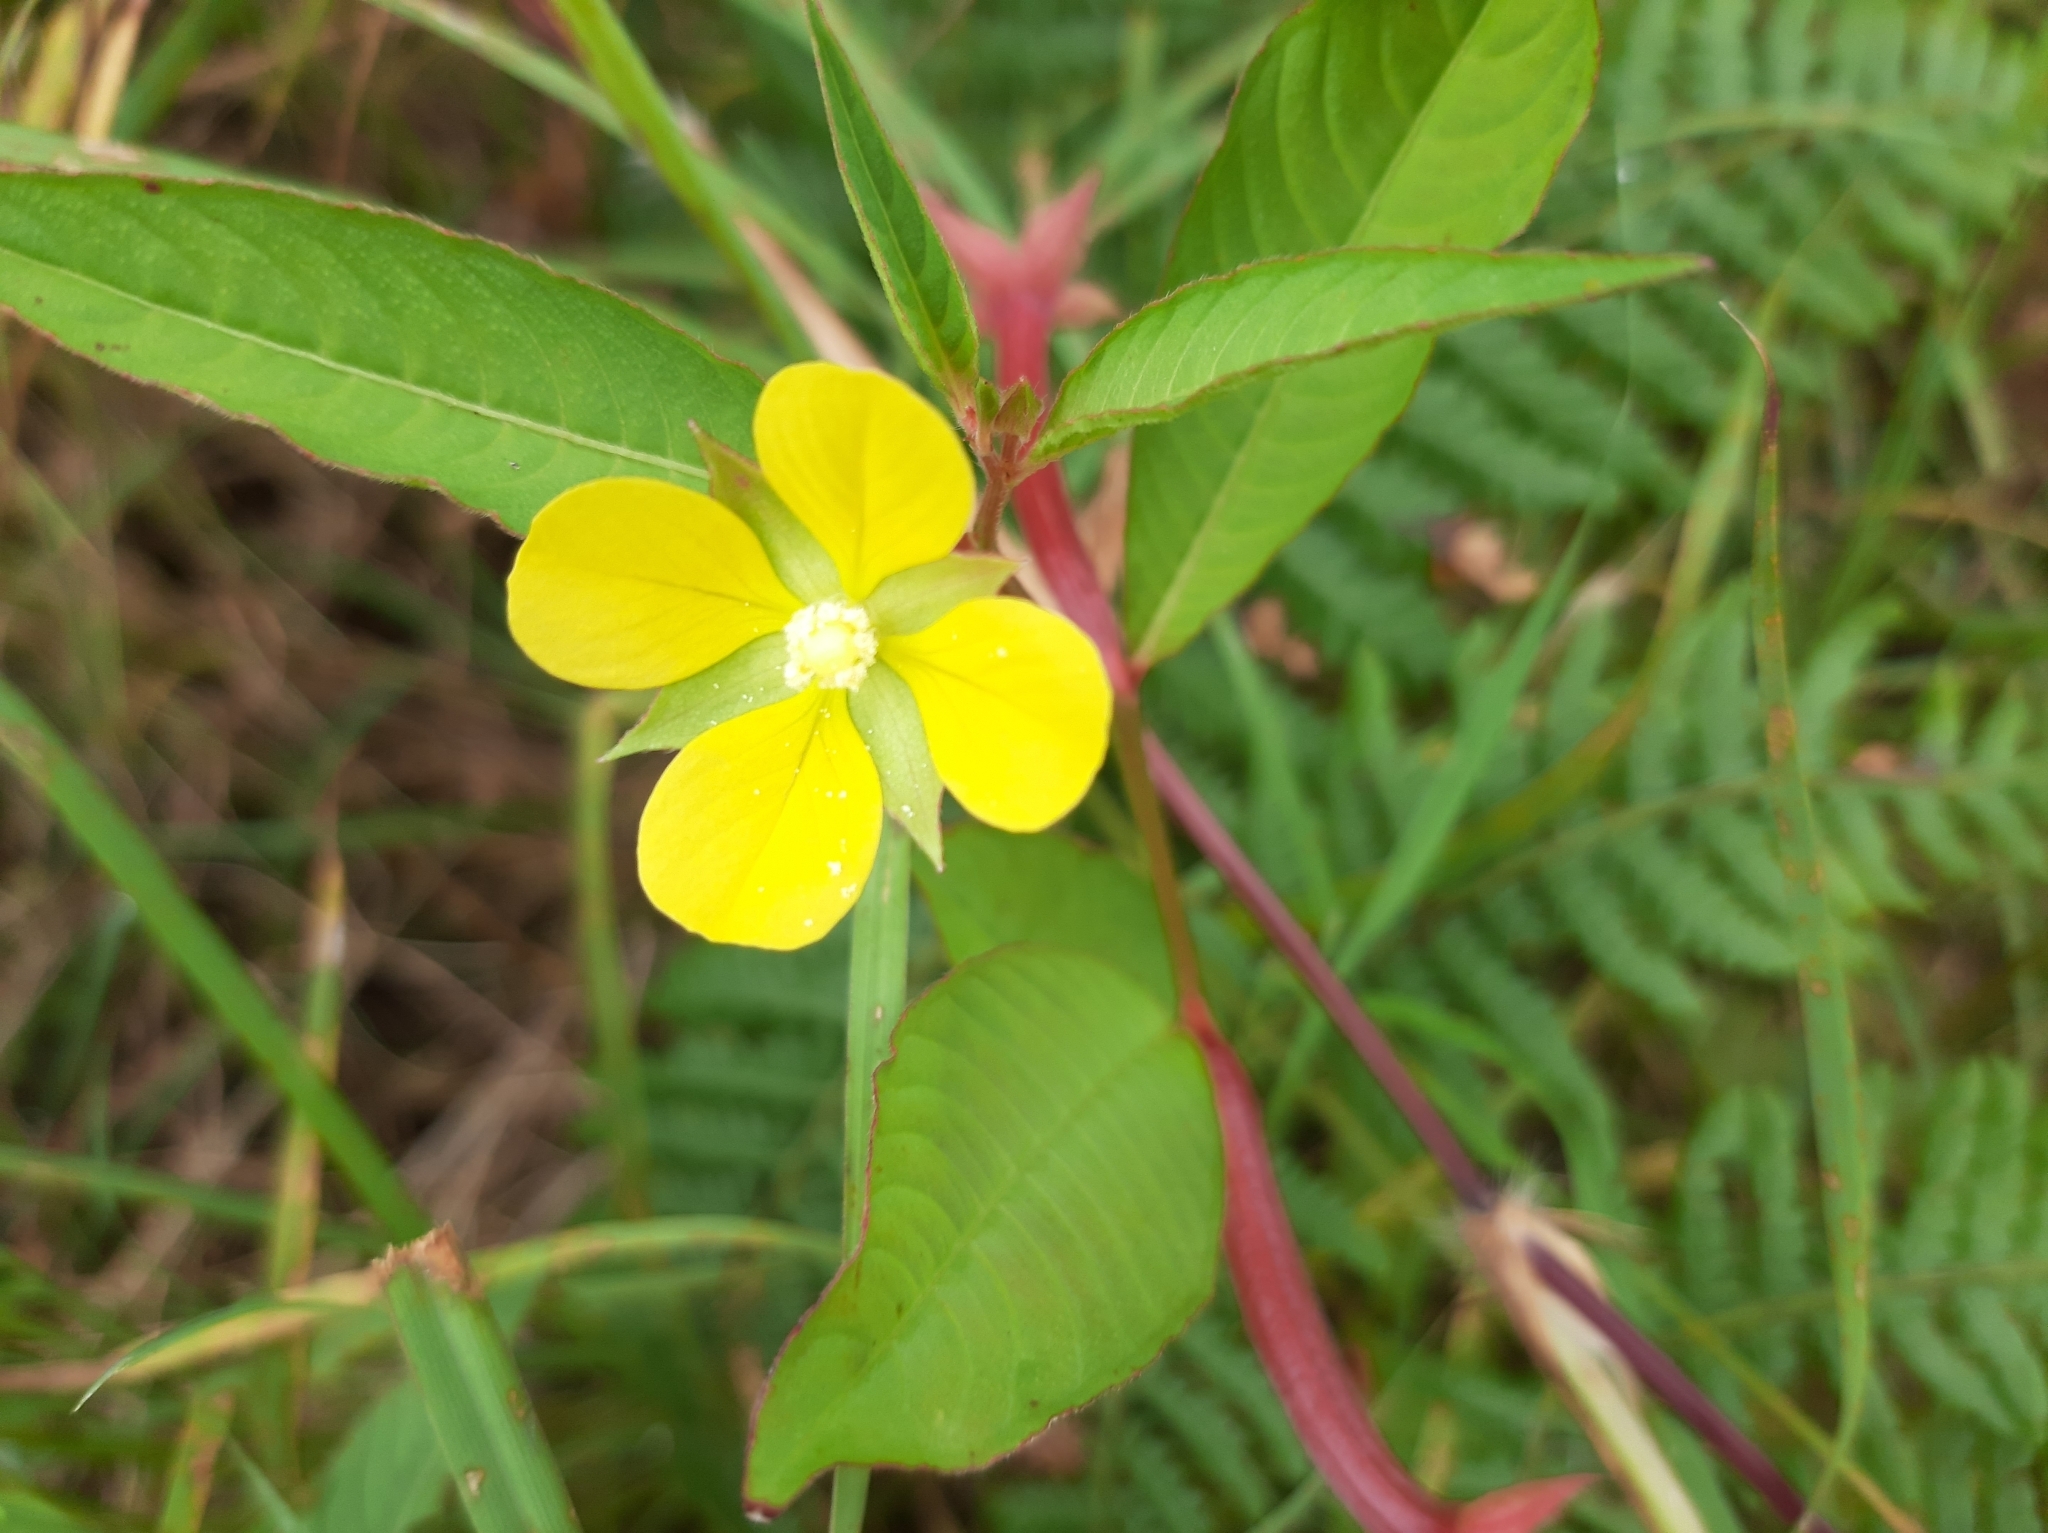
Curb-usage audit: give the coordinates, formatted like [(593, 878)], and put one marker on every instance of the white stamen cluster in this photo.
[(831, 645)]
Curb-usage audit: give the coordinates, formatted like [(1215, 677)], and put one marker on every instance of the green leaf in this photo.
[(1044, 1209), (371, 339), (911, 600), (1281, 315), (999, 888), (748, 678), (491, 1443), (885, 712), (917, 272), (387, 1475), (1361, 123)]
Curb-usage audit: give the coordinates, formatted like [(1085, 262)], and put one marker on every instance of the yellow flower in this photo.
[(824, 655)]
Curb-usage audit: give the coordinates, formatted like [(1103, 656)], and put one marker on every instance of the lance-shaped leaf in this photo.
[(1360, 123), (370, 339), (1045, 1200), (917, 273), (1281, 315)]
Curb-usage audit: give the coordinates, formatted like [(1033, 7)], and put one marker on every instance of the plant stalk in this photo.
[(608, 1008), (874, 1000)]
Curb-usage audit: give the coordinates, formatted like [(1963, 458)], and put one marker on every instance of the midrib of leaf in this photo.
[(1211, 515), (383, 380), (963, 1244)]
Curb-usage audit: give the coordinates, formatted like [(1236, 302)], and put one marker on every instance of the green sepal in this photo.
[(916, 598), (748, 678), (885, 713), (737, 483)]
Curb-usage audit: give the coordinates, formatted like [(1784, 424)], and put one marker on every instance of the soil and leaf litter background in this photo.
[(252, 654)]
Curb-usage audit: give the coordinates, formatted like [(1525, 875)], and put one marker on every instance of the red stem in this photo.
[(1675, 1388), (1282, 1313), (1300, 950), (1288, 1329), (1048, 521)]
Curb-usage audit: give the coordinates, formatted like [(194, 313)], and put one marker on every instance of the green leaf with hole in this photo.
[(370, 339), (1045, 1201), (1361, 123), (917, 272), (1285, 314)]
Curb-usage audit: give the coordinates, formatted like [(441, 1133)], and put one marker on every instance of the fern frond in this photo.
[(1596, 913), (1210, 1437)]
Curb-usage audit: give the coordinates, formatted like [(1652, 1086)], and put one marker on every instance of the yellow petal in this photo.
[(875, 472), (762, 830), (630, 583), (1015, 705)]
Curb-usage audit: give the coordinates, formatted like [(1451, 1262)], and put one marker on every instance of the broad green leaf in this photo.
[(387, 1475), (370, 339), (999, 888), (1286, 313), (917, 272), (1045, 1201), (1361, 123)]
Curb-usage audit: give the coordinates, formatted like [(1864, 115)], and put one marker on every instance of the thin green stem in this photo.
[(295, 1208), (56, 1171), (1705, 1332), (196, 946), (1836, 1081), (620, 71), (608, 1008), (874, 1000)]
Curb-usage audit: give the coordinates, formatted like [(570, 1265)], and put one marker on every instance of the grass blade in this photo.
[(621, 73), (609, 1010), (504, 49), (191, 1487), (263, 1319), (1481, 727), (490, 1439), (201, 953), (88, 1173), (295, 1207), (1833, 1075)]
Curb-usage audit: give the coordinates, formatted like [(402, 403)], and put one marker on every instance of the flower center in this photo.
[(831, 644)]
